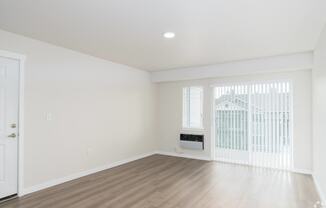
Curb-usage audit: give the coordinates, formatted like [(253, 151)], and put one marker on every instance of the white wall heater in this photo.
[(192, 141)]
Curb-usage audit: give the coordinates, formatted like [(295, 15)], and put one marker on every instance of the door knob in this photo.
[(13, 135)]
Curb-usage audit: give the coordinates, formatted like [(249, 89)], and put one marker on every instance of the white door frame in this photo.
[(21, 58)]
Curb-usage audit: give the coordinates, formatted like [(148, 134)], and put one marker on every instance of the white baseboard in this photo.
[(173, 154), (302, 171), (74, 176), (319, 190)]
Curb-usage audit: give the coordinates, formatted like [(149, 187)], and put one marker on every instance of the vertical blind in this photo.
[(253, 124)]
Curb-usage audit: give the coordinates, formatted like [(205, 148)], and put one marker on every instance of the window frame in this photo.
[(188, 127)]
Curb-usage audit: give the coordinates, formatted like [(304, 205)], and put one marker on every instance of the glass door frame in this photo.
[(213, 117)]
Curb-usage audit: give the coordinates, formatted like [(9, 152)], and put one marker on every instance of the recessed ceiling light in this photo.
[(169, 35)]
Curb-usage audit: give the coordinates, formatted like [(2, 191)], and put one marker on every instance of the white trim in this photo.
[(74, 176), (291, 126), (173, 154), (21, 58), (196, 131), (11, 55), (302, 171), (281, 63), (320, 192), (212, 117)]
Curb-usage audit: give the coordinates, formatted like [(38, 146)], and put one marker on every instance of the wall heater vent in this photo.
[(192, 141)]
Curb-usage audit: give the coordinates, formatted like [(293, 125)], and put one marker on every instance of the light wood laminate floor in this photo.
[(163, 181)]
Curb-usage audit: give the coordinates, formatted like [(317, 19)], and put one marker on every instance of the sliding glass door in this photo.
[(253, 124)]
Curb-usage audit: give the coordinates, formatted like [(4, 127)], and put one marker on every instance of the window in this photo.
[(193, 107)]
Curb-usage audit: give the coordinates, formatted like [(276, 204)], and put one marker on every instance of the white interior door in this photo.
[(9, 89)]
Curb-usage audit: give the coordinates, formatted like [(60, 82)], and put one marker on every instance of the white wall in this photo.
[(319, 113), (102, 112), (170, 113), (105, 112)]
